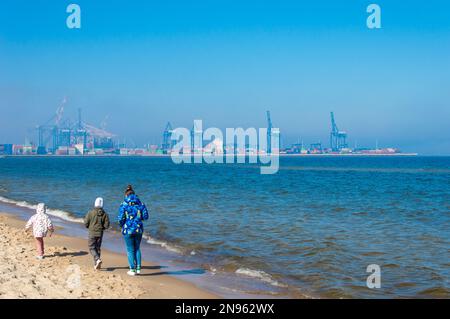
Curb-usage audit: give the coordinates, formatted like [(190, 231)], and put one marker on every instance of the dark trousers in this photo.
[(95, 243)]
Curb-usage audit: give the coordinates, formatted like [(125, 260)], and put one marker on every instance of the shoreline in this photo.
[(67, 271), (198, 272)]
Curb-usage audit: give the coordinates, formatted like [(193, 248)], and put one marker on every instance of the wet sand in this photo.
[(67, 270)]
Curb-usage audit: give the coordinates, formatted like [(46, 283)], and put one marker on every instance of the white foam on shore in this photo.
[(163, 244), (7, 200), (64, 215), (261, 275), (54, 212)]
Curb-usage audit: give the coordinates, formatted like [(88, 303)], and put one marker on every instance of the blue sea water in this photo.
[(312, 228)]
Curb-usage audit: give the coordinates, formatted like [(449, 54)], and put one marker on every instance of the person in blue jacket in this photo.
[(131, 214)]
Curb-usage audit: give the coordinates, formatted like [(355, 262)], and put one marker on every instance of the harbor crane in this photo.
[(167, 139), (338, 139), (272, 132), (59, 132), (269, 133), (47, 133), (196, 137)]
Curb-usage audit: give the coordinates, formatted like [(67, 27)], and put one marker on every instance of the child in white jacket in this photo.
[(42, 225)]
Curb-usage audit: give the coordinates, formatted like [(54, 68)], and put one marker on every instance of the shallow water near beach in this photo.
[(311, 229)]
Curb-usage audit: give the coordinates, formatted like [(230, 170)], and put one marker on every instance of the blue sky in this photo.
[(144, 63)]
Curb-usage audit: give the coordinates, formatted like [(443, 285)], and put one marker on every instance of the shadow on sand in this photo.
[(71, 254), (197, 271), (125, 268)]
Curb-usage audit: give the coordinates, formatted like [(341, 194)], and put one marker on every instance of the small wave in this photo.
[(261, 275), (213, 270), (7, 200), (163, 244), (405, 285), (26, 205), (54, 212), (373, 253), (64, 215), (391, 266), (436, 292), (17, 203)]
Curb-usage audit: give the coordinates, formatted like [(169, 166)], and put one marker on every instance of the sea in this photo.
[(315, 229)]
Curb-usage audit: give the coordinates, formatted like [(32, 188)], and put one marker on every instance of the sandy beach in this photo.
[(67, 270)]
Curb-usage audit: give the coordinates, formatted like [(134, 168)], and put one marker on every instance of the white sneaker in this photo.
[(138, 271), (131, 273), (98, 264), (39, 257)]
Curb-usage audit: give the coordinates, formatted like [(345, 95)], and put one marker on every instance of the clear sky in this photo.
[(144, 63)]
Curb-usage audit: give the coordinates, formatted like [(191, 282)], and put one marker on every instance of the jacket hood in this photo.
[(99, 211), (132, 199), (41, 209)]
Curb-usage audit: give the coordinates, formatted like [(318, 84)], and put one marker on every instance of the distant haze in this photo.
[(143, 63)]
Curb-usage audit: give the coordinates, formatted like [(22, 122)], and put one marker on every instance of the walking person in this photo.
[(42, 225), (97, 221), (131, 214)]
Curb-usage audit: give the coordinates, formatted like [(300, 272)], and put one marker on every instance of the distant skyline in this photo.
[(143, 63)]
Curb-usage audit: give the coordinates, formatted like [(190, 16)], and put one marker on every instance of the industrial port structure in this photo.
[(168, 142), (338, 143), (61, 136)]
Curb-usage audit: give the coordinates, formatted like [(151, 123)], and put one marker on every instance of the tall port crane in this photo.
[(196, 137), (60, 112), (48, 132), (269, 133), (167, 138), (338, 139)]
